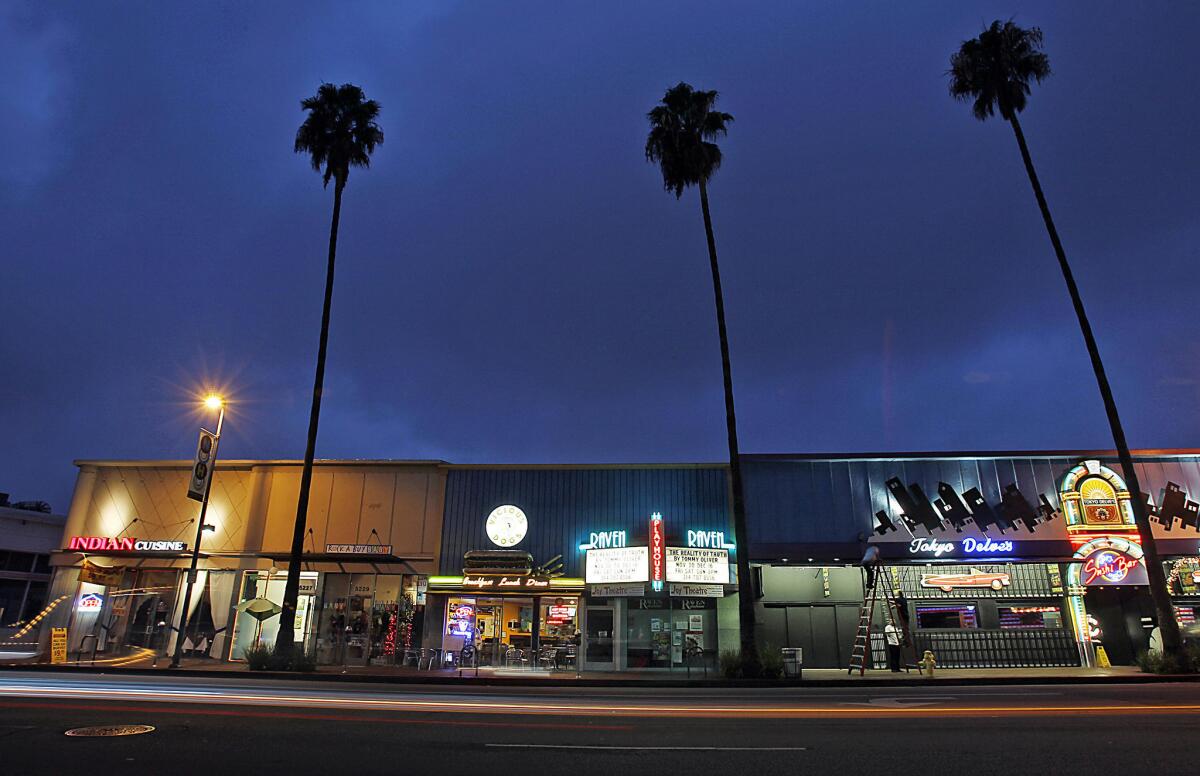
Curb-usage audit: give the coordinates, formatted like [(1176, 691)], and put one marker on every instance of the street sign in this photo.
[(202, 468), (58, 645)]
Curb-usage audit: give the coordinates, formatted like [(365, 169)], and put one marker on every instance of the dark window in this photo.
[(42, 564), (947, 617), (12, 592), (35, 601), (19, 561)]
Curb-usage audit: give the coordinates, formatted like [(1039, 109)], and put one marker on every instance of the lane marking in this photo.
[(654, 748), (463, 707), (161, 709)]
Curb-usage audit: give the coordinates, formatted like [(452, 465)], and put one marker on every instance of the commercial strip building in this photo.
[(1005, 560), (406, 563), (27, 537), (374, 529)]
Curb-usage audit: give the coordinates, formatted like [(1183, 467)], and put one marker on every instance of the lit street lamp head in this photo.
[(213, 402)]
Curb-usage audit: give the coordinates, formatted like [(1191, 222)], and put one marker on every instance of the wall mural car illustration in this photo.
[(976, 578)]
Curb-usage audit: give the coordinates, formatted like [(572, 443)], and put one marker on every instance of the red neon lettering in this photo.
[(656, 549), (1114, 569)]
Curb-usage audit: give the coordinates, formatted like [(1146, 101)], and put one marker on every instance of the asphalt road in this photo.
[(235, 725)]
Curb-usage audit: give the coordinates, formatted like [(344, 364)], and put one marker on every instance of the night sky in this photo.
[(513, 283)]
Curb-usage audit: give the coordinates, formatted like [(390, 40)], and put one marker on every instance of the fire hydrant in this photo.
[(928, 663)]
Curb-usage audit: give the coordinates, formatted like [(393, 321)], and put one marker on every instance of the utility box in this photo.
[(793, 662)]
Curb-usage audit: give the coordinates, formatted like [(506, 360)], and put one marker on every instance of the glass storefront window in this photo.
[(368, 619), (1030, 616), (248, 631), (953, 617)]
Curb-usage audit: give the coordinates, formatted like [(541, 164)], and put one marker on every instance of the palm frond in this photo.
[(340, 130), (683, 127), (993, 72)]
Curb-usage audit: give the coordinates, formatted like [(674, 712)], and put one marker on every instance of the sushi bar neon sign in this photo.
[(1108, 566)]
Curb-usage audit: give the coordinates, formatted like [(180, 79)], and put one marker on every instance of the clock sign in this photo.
[(506, 526)]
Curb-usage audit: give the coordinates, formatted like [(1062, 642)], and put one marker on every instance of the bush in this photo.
[(731, 664), (770, 663), (1186, 662), (263, 658), (258, 657)]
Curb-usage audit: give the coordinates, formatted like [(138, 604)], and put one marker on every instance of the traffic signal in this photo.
[(202, 468)]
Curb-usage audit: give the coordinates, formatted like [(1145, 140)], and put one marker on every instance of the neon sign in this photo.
[(1108, 566), (969, 545), (523, 583), (658, 554), (707, 539), (90, 602), (930, 545), (604, 540), (123, 544)]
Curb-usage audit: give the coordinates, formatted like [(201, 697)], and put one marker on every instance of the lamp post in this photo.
[(212, 402)]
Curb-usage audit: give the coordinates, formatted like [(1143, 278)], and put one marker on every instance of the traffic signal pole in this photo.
[(191, 577)]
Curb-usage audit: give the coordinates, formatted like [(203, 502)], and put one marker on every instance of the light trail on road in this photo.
[(509, 703)]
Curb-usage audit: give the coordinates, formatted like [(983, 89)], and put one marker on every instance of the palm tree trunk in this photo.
[(291, 591), (749, 643), (1168, 625)]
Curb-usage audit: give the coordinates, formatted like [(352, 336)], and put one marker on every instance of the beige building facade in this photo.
[(372, 540)]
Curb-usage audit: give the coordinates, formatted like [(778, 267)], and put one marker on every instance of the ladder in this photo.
[(860, 654)]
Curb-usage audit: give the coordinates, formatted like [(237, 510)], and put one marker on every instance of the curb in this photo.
[(505, 681)]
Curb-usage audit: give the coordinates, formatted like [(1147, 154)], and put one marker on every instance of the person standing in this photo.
[(892, 634)]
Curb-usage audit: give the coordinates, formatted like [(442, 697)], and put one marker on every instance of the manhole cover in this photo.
[(110, 730)]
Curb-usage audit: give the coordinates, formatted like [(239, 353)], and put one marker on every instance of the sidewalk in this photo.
[(145, 664)]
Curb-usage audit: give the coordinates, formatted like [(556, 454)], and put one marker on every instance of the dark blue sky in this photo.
[(514, 285)]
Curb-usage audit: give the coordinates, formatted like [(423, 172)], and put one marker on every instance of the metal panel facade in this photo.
[(565, 505), (827, 506)]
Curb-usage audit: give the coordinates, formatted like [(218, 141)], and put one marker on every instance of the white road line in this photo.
[(654, 748)]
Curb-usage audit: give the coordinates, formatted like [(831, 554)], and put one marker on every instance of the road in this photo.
[(244, 725)]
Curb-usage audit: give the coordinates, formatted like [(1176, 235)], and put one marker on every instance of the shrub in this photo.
[(263, 658), (1186, 662), (770, 663), (731, 664), (258, 657)]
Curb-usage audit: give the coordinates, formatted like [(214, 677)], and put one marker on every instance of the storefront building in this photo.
[(599, 568), (1008, 560), (372, 540)]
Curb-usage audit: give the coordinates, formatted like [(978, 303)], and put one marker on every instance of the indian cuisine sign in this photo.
[(123, 544)]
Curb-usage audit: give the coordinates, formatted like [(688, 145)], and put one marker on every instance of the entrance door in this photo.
[(1120, 610), (599, 643)]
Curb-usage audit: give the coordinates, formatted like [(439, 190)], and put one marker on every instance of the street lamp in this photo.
[(212, 402)]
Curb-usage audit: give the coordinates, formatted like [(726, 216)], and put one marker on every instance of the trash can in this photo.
[(793, 661)]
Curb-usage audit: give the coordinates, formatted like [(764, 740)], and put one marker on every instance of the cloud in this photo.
[(33, 137)]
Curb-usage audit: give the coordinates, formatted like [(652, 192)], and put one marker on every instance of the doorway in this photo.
[(599, 645)]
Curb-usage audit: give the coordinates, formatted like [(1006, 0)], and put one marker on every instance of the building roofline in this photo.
[(955, 454), (246, 463)]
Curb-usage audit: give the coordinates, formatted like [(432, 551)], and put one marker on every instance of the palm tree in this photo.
[(682, 130), (339, 133), (993, 73)]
